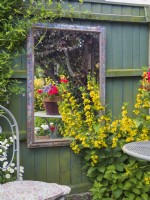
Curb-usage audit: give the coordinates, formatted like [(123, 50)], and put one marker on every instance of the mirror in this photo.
[(54, 50)]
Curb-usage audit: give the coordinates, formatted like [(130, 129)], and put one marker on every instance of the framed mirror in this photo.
[(52, 50)]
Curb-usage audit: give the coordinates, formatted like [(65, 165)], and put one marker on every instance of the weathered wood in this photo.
[(40, 168), (53, 165), (64, 165)]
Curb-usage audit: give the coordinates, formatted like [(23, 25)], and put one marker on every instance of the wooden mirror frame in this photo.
[(31, 143)]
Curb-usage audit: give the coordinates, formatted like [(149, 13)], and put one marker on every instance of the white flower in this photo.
[(7, 176), (45, 127), (12, 171), (5, 141), (5, 164), (20, 175), (2, 159), (51, 124), (21, 169), (37, 128), (11, 139), (12, 164), (9, 168), (21, 178), (4, 154)]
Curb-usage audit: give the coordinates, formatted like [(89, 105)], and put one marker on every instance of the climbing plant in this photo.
[(16, 20)]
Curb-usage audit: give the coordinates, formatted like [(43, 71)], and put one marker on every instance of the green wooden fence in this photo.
[(126, 53)]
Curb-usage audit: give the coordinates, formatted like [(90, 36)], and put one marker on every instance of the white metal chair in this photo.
[(24, 189)]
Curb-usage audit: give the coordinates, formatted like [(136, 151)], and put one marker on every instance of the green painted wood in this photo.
[(117, 97), (17, 62), (147, 13), (127, 93), (76, 169), (85, 7), (52, 164), (136, 46), (40, 158), (23, 106), (126, 10), (103, 11), (117, 46), (64, 165), (23, 59), (143, 45), (106, 9), (127, 46), (80, 188), (135, 11), (109, 94), (142, 12), (20, 74), (76, 6), (109, 46), (27, 161), (123, 72), (116, 10), (16, 107), (96, 8)]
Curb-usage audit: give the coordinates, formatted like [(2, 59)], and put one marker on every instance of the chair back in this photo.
[(8, 120)]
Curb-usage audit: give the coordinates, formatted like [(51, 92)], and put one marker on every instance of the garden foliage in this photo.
[(8, 171), (16, 20), (98, 140)]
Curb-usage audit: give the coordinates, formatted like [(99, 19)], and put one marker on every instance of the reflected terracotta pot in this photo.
[(51, 105)]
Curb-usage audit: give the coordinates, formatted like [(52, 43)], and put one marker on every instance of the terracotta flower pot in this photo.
[(51, 105)]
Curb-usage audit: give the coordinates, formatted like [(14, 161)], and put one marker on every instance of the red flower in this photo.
[(53, 91), (148, 76), (52, 128), (40, 91), (63, 80)]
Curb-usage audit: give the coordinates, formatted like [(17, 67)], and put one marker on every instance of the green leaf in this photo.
[(137, 122), (134, 180), (122, 158), (100, 177), (131, 196), (139, 174), (138, 198), (114, 187), (117, 193), (127, 185), (119, 167), (96, 127), (101, 169), (90, 171), (144, 196), (136, 191)]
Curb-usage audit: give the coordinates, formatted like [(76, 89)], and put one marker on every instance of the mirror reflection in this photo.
[(62, 54)]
